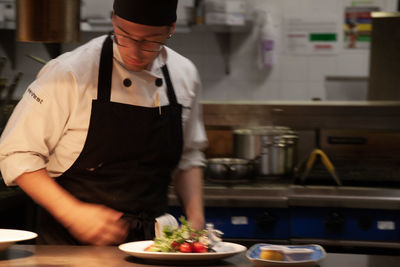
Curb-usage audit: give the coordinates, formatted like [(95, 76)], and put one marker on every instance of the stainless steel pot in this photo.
[(279, 155), (229, 170), (273, 148), (247, 142)]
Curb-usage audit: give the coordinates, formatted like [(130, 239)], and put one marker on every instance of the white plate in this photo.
[(224, 250), (10, 236), (253, 254)]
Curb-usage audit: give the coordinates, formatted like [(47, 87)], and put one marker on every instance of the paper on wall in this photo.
[(311, 36)]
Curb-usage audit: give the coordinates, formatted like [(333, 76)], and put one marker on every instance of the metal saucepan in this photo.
[(247, 142), (229, 170), (273, 148)]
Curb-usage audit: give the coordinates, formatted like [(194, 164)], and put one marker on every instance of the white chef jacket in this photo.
[(49, 125)]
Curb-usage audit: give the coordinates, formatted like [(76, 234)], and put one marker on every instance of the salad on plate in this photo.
[(185, 239)]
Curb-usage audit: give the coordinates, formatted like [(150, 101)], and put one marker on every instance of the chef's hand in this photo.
[(89, 223), (198, 224), (96, 224)]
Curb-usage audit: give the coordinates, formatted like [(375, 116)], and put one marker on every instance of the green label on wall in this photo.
[(323, 37)]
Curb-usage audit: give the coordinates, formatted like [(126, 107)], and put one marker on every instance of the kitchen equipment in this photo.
[(291, 141), (3, 61), (3, 84), (37, 59), (273, 156), (48, 21), (229, 170), (247, 141), (273, 148), (384, 79), (11, 88), (278, 153), (325, 160), (317, 254), (6, 107)]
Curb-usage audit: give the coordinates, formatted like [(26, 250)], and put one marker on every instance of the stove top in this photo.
[(361, 172), (382, 172)]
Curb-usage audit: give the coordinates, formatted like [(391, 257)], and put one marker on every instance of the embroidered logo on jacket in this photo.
[(32, 94)]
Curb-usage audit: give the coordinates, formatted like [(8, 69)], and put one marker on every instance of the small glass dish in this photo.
[(295, 255)]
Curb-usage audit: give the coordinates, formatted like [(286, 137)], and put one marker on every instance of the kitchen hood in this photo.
[(48, 21)]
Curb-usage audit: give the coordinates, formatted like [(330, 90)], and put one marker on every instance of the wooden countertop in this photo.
[(91, 256)]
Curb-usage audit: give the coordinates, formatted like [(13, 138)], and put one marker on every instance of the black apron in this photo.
[(126, 162)]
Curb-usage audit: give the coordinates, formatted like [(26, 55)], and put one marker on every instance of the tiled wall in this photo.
[(293, 77)]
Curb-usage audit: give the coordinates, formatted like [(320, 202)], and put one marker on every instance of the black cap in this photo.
[(147, 12)]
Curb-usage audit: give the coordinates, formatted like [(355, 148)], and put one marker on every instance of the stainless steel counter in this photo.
[(284, 194), (344, 197), (45, 256)]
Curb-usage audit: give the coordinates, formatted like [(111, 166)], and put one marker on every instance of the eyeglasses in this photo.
[(145, 45)]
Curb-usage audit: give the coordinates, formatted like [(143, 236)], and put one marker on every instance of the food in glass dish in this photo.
[(273, 255)]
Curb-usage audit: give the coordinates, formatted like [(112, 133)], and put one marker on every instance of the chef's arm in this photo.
[(75, 215), (188, 186)]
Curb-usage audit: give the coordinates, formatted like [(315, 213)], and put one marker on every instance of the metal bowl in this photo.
[(229, 170)]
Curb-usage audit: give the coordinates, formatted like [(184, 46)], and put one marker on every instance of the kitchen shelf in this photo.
[(223, 34), (105, 26)]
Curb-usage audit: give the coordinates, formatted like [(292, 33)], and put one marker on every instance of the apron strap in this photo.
[(105, 71), (170, 87)]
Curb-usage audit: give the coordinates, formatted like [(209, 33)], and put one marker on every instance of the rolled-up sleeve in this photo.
[(36, 124), (195, 139)]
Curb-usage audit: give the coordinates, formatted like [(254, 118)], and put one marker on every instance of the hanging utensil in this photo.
[(5, 102), (37, 59), (3, 83), (11, 88), (325, 160), (3, 61)]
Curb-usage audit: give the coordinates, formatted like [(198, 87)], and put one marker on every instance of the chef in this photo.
[(99, 135)]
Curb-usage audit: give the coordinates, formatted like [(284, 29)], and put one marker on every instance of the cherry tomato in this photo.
[(199, 247), (175, 245), (185, 248)]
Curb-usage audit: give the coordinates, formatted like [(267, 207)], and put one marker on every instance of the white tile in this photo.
[(214, 67), (316, 90), (293, 90), (294, 8), (195, 42), (352, 64), (321, 66), (293, 68), (246, 68), (267, 91), (198, 61), (213, 91)]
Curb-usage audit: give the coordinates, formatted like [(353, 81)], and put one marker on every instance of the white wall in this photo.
[(293, 77)]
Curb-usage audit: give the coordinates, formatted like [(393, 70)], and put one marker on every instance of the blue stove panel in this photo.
[(256, 223), (345, 224)]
